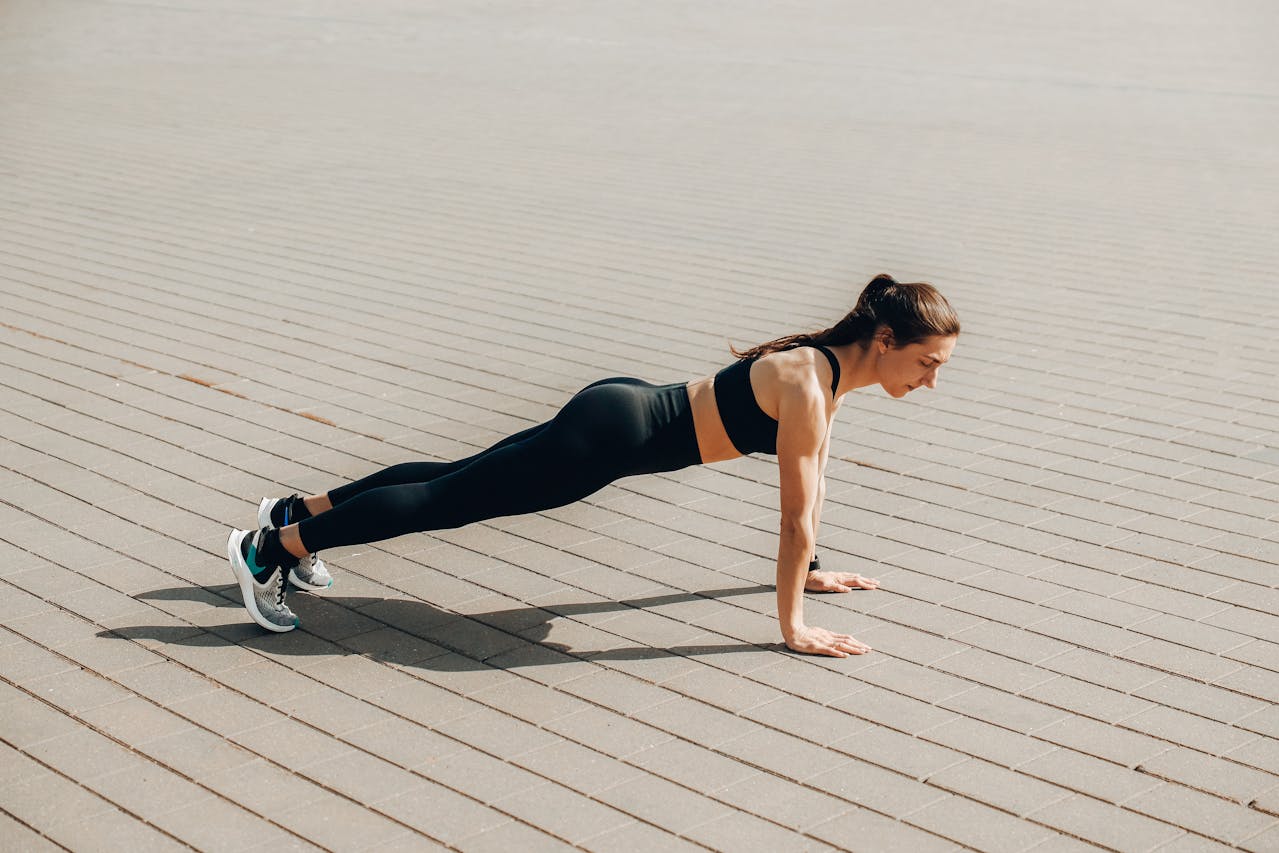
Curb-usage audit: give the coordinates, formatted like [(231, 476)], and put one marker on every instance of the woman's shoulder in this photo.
[(789, 379), (798, 366)]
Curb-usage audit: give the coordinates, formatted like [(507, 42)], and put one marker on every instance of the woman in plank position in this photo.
[(778, 398)]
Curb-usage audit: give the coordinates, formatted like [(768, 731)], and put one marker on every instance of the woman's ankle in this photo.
[(291, 541), (316, 504)]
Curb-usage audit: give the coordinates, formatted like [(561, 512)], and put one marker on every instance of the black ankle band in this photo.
[(272, 553), (297, 510), (288, 511)]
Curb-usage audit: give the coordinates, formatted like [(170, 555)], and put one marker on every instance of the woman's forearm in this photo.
[(817, 512), (795, 549)]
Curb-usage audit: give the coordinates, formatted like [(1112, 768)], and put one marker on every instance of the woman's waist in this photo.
[(712, 438)]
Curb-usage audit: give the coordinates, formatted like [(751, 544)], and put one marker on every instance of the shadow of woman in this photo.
[(422, 635)]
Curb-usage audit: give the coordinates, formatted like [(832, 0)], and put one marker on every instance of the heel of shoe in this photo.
[(264, 512)]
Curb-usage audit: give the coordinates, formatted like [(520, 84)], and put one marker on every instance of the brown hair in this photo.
[(911, 312)]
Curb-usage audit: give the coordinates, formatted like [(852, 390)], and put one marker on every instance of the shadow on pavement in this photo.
[(422, 634)]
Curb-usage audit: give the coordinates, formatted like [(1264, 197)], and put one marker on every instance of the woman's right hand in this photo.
[(819, 641)]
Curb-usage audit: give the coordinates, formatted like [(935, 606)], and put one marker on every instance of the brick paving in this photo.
[(253, 249)]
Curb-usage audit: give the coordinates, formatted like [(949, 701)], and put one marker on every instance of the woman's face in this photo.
[(903, 369)]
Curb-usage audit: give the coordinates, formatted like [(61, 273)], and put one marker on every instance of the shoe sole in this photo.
[(310, 587), (245, 578), (264, 520)]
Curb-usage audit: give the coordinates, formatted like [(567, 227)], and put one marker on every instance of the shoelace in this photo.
[(279, 589)]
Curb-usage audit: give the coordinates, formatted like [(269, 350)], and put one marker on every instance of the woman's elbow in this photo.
[(797, 527)]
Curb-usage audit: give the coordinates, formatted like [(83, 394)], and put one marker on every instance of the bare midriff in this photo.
[(712, 439)]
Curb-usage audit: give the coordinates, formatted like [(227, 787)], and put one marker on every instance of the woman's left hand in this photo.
[(821, 581)]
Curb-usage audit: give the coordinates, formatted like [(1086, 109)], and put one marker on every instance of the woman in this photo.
[(779, 398)]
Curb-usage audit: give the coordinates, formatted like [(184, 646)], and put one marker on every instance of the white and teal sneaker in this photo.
[(309, 574), (264, 601)]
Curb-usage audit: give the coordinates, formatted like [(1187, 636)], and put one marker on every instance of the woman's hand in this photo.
[(820, 581), (819, 641)]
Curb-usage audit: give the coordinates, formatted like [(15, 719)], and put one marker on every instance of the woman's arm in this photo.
[(821, 483), (824, 581), (821, 488), (800, 438)]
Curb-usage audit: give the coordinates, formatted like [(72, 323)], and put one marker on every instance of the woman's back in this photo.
[(740, 402), (751, 424)]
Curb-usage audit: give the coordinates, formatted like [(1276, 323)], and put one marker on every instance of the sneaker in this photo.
[(264, 601), (309, 574)]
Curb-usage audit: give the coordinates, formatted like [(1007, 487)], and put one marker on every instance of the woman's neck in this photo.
[(857, 366)]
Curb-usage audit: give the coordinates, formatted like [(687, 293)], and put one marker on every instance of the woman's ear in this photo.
[(884, 339)]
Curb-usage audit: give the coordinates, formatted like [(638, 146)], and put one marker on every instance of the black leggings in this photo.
[(610, 429)]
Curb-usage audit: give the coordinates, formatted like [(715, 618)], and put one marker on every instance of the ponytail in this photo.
[(910, 312)]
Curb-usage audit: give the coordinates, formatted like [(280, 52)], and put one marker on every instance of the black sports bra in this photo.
[(749, 428)]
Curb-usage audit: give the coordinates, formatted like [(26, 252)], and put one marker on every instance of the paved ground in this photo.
[(254, 248)]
